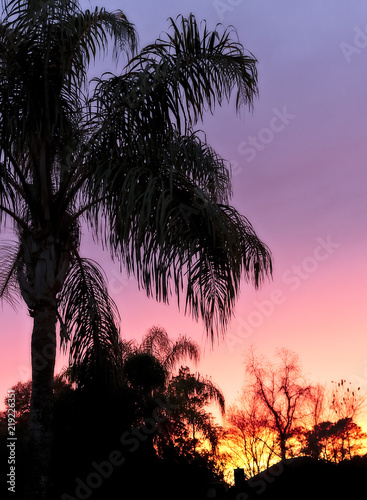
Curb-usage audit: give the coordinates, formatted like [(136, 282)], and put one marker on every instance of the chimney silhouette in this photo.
[(239, 477)]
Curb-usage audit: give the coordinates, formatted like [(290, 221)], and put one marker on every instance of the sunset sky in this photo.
[(299, 175)]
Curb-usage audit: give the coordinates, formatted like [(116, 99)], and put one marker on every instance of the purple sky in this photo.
[(299, 175)]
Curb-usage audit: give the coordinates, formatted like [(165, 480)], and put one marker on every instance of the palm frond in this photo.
[(9, 287), (200, 68), (183, 348), (156, 342), (8, 195), (211, 392), (167, 232), (97, 28), (90, 317), (127, 347), (138, 131), (87, 34), (45, 51), (165, 194)]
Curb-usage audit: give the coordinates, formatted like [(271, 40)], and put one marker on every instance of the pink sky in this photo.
[(299, 175)]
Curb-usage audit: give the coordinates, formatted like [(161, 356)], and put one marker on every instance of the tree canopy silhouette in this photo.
[(123, 157), (191, 424), (280, 391), (150, 365)]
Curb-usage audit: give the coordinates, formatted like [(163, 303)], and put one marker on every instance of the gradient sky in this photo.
[(299, 175)]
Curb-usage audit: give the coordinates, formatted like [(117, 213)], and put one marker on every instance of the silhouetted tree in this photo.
[(335, 434), (168, 353), (190, 430), (347, 401), (64, 408), (157, 389), (21, 394), (253, 443), (148, 367), (139, 373), (316, 405), (22, 397), (335, 442), (280, 392), (125, 154)]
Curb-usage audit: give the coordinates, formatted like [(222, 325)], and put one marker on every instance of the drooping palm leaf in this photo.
[(168, 227), (90, 318), (168, 231), (166, 194), (157, 343), (8, 194), (183, 348), (200, 68), (9, 286)]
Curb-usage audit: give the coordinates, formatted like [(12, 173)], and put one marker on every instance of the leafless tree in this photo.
[(346, 400), (252, 443), (280, 391)]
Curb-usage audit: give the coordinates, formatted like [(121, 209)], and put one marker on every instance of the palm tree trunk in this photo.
[(40, 279), (43, 352)]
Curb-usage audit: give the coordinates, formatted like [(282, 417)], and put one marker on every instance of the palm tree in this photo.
[(122, 157), (150, 369), (149, 366), (156, 343), (97, 361)]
